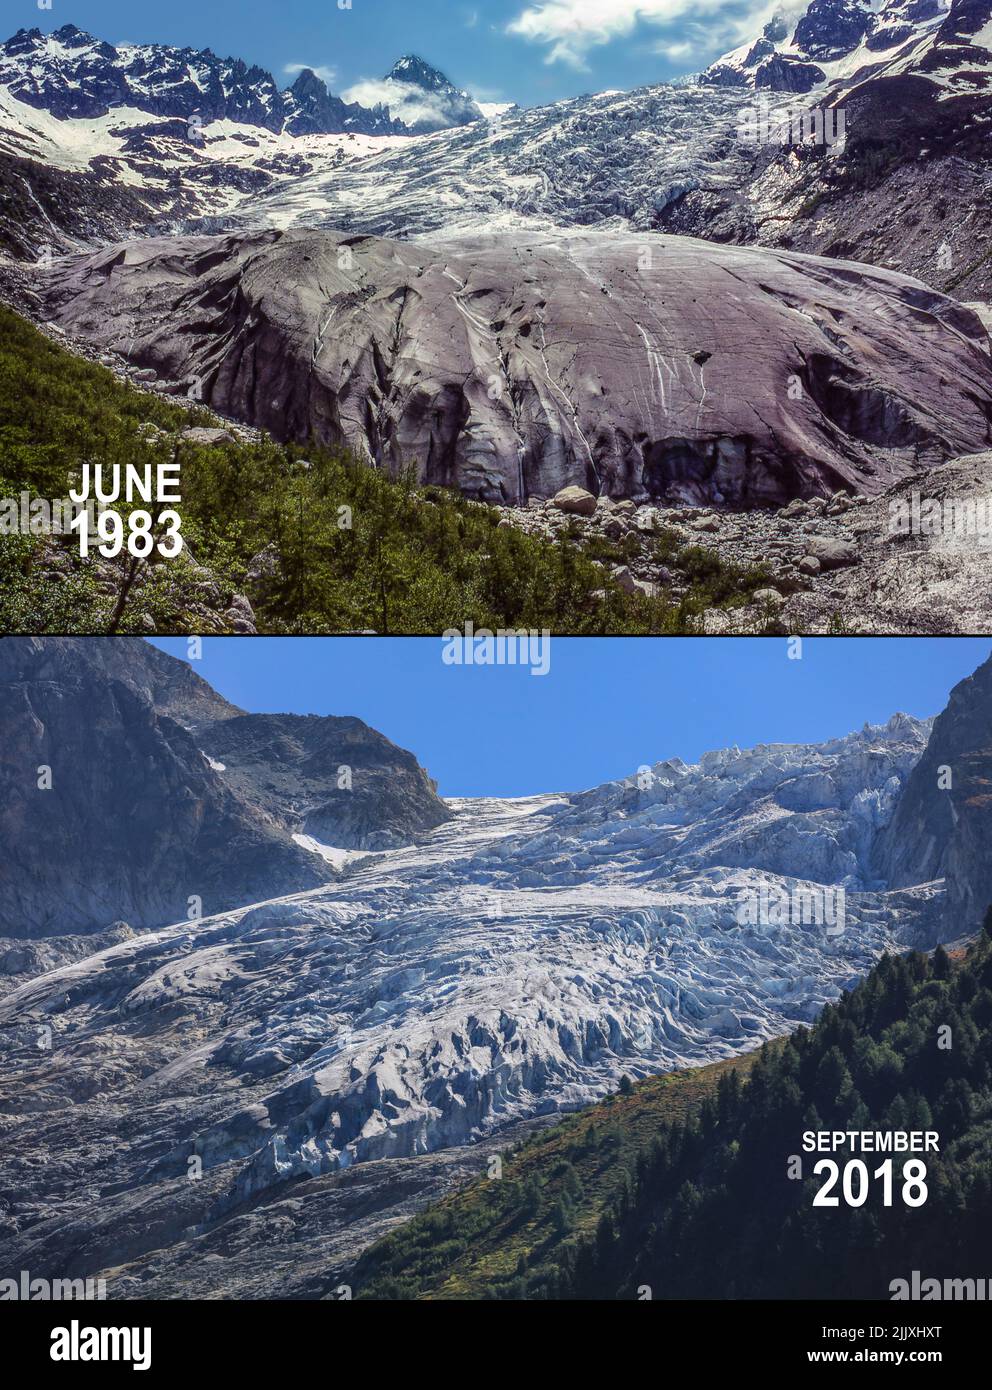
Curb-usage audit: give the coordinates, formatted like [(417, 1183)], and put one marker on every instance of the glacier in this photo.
[(517, 962)]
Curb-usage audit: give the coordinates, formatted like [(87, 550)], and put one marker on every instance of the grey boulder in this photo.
[(575, 499), (831, 553)]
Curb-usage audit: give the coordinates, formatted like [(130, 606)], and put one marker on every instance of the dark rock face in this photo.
[(914, 11), (965, 19), (832, 28), (956, 49), (171, 686), (135, 822), (762, 48), (138, 818), (628, 365), (293, 766), (41, 206), (942, 831), (889, 38), (723, 75), (313, 110), (786, 75)]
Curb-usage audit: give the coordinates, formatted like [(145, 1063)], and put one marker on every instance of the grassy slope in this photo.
[(482, 1237), (414, 559)]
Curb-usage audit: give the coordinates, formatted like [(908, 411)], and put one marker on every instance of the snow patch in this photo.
[(337, 858)]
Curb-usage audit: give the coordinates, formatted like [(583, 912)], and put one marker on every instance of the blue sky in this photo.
[(606, 707), (528, 51)]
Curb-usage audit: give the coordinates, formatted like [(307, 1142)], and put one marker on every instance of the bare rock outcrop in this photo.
[(132, 821), (170, 685), (942, 824), (138, 817), (331, 778)]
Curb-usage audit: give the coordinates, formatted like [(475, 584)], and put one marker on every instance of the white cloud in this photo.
[(326, 74), (570, 28), (488, 94), (406, 101), (680, 49)]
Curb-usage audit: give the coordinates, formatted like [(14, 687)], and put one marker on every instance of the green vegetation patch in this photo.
[(343, 546), (507, 1237)]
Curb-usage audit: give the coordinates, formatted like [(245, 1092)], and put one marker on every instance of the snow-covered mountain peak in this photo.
[(829, 40), (411, 68), (75, 76), (420, 96)]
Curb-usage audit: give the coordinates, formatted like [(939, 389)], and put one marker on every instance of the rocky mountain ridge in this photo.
[(423, 99), (336, 781), (831, 39), (139, 819), (942, 823), (172, 687), (74, 76)]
